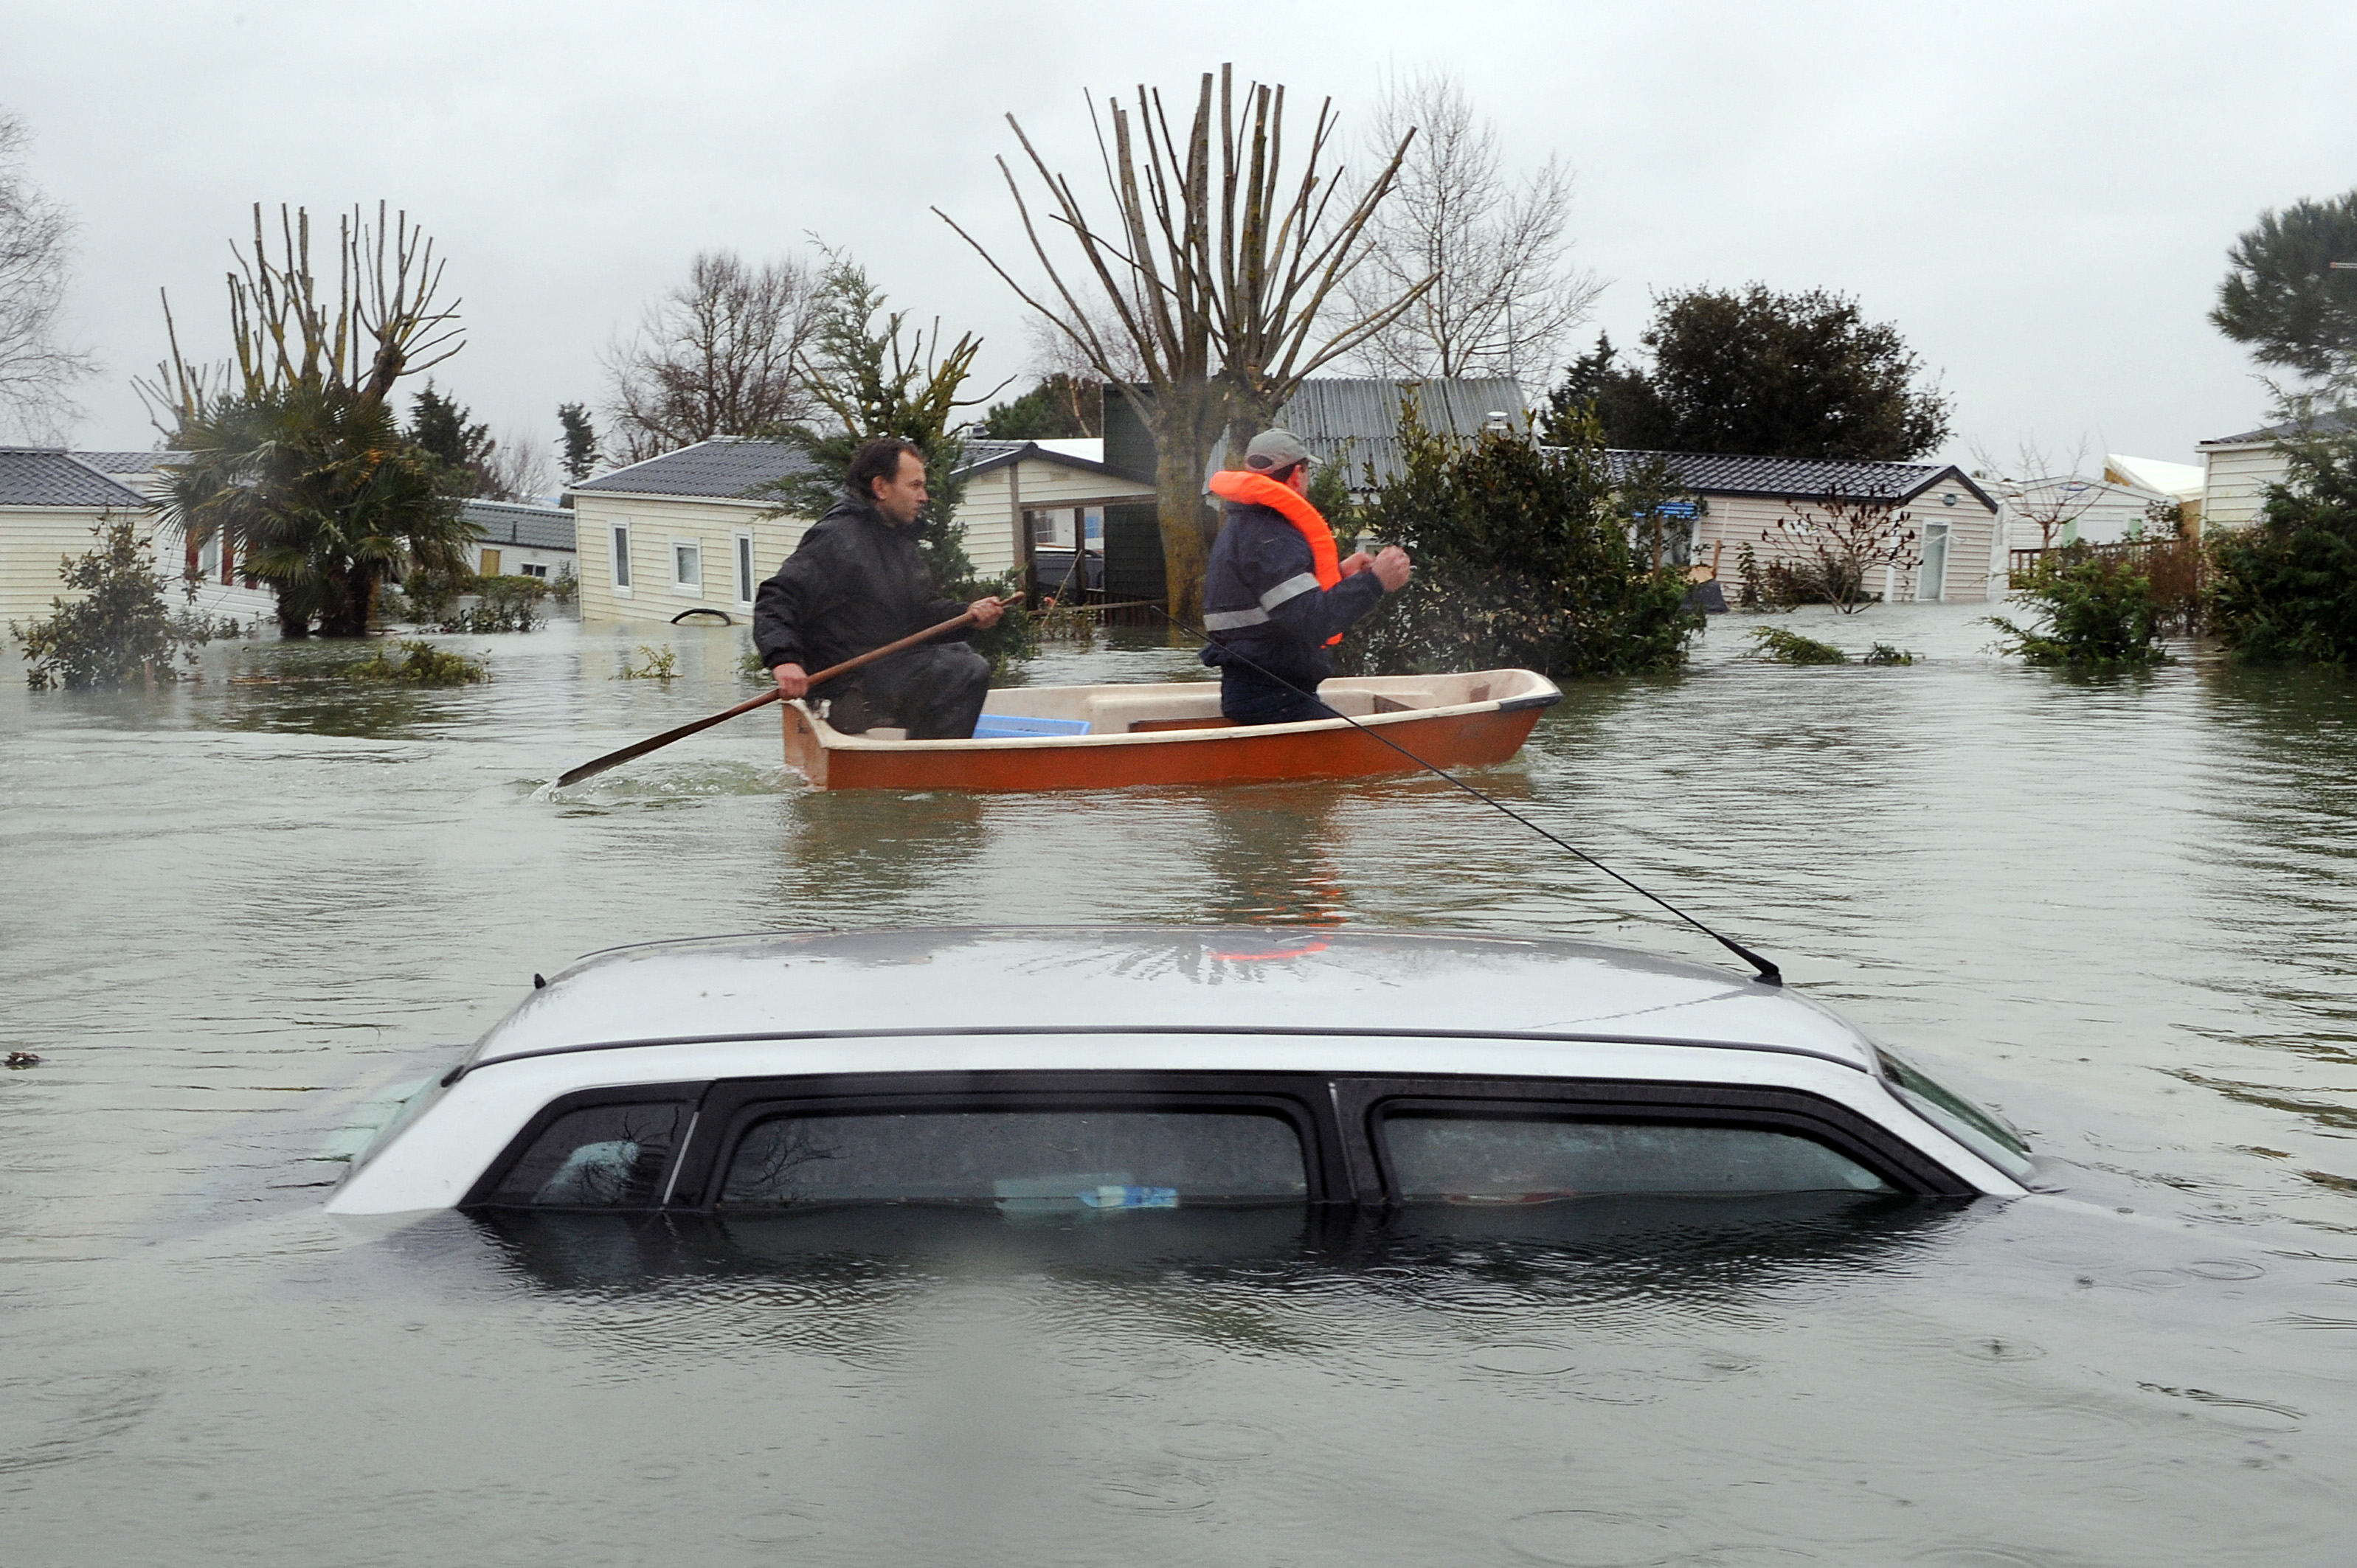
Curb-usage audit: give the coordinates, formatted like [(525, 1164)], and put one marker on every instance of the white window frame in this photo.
[(687, 590), (744, 564), (617, 535)]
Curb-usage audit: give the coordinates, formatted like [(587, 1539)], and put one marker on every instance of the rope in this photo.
[(1769, 974)]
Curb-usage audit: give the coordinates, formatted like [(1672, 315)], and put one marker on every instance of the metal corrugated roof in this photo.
[(1354, 420), (51, 477), (1799, 478), (529, 526)]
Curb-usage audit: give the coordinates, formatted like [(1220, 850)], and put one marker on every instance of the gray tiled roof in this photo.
[(46, 476), (1801, 478), (2331, 420), (127, 465), (528, 527), (728, 469), (1355, 420), (731, 467)]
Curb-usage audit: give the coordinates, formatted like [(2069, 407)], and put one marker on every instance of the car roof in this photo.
[(1284, 979)]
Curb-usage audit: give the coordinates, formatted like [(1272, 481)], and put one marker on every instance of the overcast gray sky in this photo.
[(2039, 195)]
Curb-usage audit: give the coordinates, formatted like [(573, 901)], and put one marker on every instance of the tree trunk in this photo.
[(292, 622), (1186, 542)]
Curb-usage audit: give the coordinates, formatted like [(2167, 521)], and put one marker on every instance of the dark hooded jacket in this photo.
[(856, 582)]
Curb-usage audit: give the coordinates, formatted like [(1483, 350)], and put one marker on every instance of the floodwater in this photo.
[(238, 914)]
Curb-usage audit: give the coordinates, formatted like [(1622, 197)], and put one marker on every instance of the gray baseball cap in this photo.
[(1274, 449)]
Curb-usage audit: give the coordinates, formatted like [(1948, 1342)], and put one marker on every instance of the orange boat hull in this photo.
[(1460, 736)]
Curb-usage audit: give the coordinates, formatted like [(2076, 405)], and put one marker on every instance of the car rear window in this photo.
[(1438, 1156), (1021, 1160), (601, 1157)]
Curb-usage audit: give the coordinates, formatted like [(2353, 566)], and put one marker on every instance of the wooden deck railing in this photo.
[(2155, 557)]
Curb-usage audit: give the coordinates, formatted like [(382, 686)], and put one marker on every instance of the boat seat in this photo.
[(1115, 713)]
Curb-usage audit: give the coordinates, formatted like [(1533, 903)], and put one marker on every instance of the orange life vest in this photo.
[(1259, 489)]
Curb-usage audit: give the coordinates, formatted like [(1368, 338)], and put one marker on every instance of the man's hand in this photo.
[(793, 680), (1356, 562), (986, 611), (1392, 568)]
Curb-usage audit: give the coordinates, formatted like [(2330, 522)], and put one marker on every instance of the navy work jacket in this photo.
[(1261, 604)]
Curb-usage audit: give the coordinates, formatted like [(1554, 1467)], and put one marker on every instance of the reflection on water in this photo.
[(2116, 909)]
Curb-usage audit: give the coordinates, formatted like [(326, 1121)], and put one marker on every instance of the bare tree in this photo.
[(518, 467), (1216, 275), (715, 356), (36, 263), (2048, 496), (385, 323), (1508, 298)]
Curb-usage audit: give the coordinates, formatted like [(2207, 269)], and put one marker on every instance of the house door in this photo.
[(490, 564), (1931, 580)]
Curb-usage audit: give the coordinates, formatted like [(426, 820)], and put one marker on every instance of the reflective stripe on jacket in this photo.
[(1262, 599)]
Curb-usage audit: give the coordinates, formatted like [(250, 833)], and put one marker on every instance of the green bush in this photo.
[(120, 631), (1778, 646), (2284, 591), (1884, 653), (420, 664), (654, 664), (2095, 612), (1526, 554)]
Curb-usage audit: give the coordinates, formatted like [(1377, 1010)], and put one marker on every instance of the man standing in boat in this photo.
[(858, 581), (1275, 597)]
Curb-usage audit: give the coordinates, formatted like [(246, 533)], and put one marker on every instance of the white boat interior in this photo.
[(1134, 709)]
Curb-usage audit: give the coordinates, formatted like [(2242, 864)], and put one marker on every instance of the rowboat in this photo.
[(1117, 736)]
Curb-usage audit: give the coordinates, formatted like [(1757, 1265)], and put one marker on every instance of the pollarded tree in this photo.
[(296, 460), (1206, 300), (2283, 298), (1773, 375)]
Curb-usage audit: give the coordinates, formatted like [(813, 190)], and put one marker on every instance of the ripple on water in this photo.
[(1600, 1537)]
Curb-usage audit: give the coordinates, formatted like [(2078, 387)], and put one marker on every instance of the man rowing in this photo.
[(1275, 597), (858, 581)]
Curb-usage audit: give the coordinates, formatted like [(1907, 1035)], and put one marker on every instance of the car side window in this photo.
[(600, 1156), (1450, 1157), (1021, 1160)]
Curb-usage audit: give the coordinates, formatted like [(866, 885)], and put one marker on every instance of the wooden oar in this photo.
[(656, 743)]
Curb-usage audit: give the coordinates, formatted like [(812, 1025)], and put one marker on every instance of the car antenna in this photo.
[(1767, 972)]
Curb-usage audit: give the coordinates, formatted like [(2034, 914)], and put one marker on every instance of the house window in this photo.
[(622, 557), (530, 570), (744, 568), (1052, 528), (686, 566)]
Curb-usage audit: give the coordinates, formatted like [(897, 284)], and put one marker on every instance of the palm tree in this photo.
[(318, 494)]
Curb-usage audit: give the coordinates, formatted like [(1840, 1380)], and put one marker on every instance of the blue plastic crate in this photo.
[(1013, 726)]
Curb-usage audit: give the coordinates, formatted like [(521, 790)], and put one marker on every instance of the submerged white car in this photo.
[(1042, 1070)]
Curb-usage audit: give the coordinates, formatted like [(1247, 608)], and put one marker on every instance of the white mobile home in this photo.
[(2239, 468), (1773, 503), (688, 532), (520, 541)]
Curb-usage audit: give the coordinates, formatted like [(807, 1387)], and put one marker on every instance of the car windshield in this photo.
[(1975, 1129), (1439, 1156), (1021, 1161)]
